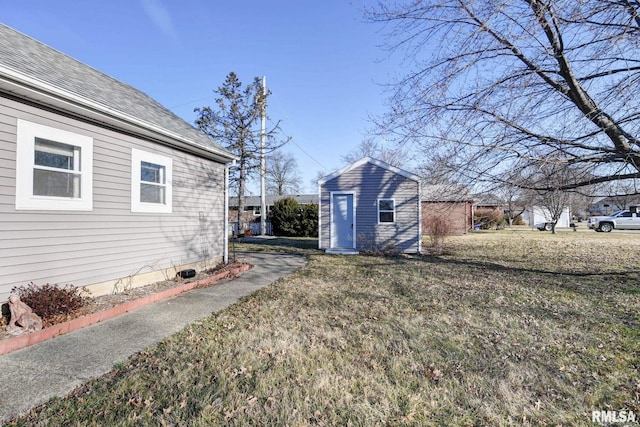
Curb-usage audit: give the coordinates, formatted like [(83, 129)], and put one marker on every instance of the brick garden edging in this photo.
[(22, 341)]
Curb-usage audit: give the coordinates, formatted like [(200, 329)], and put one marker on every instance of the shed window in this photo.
[(150, 182), (54, 169), (386, 210)]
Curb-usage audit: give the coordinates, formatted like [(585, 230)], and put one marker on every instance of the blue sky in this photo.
[(322, 62)]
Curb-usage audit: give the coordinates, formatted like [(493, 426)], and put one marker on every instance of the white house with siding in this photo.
[(370, 205), (100, 185)]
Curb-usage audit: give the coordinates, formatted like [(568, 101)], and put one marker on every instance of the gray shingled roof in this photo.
[(31, 58), (445, 193)]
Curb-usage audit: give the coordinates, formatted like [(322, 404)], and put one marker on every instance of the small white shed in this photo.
[(370, 205)]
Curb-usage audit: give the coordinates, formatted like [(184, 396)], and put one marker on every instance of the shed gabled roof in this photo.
[(372, 161), (32, 70)]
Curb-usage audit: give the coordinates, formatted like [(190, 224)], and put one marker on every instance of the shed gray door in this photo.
[(342, 225)]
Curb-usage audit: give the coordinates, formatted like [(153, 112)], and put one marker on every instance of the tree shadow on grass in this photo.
[(625, 281), (591, 282), (290, 242)]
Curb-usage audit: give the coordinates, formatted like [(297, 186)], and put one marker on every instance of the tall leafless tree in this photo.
[(436, 169), (499, 82), (516, 199), (395, 156), (283, 175), (547, 181), (319, 175)]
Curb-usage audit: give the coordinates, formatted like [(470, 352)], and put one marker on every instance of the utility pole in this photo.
[(263, 162)]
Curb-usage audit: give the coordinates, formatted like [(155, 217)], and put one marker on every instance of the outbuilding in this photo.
[(449, 203), (100, 185), (370, 206)]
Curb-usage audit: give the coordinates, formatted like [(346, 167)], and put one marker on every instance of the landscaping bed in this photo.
[(103, 307)]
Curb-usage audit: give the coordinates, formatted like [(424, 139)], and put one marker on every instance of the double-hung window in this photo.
[(386, 210), (151, 179), (56, 169), (53, 169)]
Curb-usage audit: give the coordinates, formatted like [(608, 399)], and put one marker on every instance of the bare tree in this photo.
[(555, 202), (547, 181), (395, 156), (437, 168), (498, 82), (283, 175), (516, 200), (319, 175), (623, 194)]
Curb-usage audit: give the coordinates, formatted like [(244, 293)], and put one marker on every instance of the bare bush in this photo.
[(50, 301), (438, 228)]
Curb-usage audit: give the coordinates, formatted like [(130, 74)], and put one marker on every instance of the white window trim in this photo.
[(394, 210), (25, 199), (137, 157)]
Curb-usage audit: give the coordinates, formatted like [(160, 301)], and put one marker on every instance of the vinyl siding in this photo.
[(110, 242), (370, 182)]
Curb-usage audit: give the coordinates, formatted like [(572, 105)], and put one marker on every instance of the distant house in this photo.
[(100, 185), (370, 205), (611, 204), (488, 201), (449, 202), (253, 205)]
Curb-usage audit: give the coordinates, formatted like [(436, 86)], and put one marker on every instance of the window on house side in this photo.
[(386, 210), (151, 182), (54, 169)]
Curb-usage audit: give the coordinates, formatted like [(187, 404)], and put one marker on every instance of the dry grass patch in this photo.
[(502, 331)]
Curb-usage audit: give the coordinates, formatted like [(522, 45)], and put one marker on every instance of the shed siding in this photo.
[(370, 182), (111, 242)]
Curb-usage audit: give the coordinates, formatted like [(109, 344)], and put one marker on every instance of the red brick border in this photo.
[(22, 341)]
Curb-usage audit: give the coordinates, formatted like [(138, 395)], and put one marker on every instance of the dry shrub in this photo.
[(518, 220), (438, 228), (487, 218), (50, 301)]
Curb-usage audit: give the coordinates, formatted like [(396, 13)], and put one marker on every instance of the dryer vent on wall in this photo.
[(187, 274)]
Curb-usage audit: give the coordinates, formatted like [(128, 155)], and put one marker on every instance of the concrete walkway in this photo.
[(33, 375)]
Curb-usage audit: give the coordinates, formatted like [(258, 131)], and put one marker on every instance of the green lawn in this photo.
[(507, 328)]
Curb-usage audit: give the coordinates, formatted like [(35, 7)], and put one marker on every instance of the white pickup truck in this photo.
[(627, 219)]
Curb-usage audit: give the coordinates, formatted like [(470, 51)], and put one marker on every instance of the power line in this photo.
[(189, 102), (309, 156), (326, 169)]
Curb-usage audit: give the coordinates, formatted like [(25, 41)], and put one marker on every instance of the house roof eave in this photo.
[(29, 88)]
